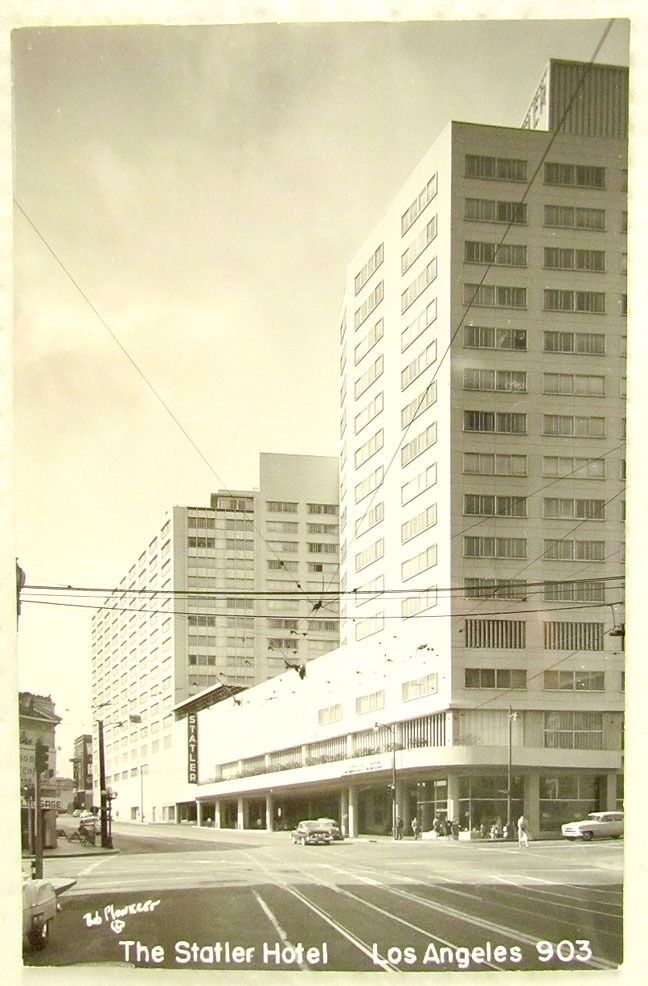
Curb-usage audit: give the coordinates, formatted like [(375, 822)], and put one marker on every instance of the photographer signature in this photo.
[(115, 915)]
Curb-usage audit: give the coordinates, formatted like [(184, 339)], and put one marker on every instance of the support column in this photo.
[(405, 813), (199, 813), (344, 811), (217, 814), (531, 803), (269, 813), (401, 802), (240, 814), (453, 797), (353, 812), (611, 791)]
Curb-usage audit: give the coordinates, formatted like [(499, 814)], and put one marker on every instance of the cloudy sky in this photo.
[(204, 187)]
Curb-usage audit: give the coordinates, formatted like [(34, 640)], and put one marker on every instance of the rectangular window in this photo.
[(370, 519), (276, 564), (577, 175), (418, 246), (569, 508), (414, 329), (574, 681), (370, 703), (507, 381), (418, 445), (418, 285), (326, 509), (583, 343), (201, 542), (492, 547), (333, 713), (570, 217), (486, 337), (322, 548), (494, 296), (590, 302), (370, 303), (496, 589), (498, 254), (370, 340), (573, 636), (282, 527), (500, 634), (570, 426), (413, 605), (322, 529), (573, 730), (489, 505), (422, 522), (492, 211), (560, 550), (419, 687), (494, 678), (370, 447), (489, 464), (419, 365), (371, 554), (573, 466), (372, 265), (578, 384), (581, 590), (419, 563), (369, 485), (418, 404), (565, 258), (290, 547), (370, 376), (502, 168), (422, 200), (418, 484), (369, 412), (281, 507), (503, 422)]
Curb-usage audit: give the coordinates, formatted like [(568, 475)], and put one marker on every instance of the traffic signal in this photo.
[(41, 758)]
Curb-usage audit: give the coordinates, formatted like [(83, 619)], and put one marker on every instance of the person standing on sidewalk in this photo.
[(523, 832), (415, 828), (400, 825)]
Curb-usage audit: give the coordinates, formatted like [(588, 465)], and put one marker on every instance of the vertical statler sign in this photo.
[(192, 748)]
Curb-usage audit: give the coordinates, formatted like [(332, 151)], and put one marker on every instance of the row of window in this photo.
[(555, 258), (555, 173), (285, 507), (573, 343), (515, 381), (568, 590), (553, 549), (553, 425), (553, 508), (555, 466), (555, 216), (511, 634), (554, 299), (516, 678)]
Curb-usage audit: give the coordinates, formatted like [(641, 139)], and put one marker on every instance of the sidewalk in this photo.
[(69, 850)]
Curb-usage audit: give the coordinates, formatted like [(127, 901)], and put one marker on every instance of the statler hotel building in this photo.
[(186, 619)]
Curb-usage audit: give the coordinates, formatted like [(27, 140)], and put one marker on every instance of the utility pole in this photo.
[(106, 837), (509, 780), (41, 753)]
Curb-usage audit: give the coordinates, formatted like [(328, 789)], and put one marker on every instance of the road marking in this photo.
[(93, 866), (275, 924), (571, 907)]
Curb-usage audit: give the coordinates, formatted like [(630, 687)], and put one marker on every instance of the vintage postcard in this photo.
[(323, 374)]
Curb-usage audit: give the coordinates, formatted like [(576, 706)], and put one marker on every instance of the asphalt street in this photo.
[(230, 900)]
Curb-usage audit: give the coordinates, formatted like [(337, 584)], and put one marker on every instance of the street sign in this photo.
[(192, 748)]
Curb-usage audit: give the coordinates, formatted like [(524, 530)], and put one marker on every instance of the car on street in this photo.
[(311, 833), (39, 907), (334, 828), (596, 825)]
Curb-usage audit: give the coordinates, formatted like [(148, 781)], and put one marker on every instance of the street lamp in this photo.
[(392, 728), (512, 716), (106, 795)]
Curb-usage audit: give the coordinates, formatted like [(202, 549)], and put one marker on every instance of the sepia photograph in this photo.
[(319, 413)]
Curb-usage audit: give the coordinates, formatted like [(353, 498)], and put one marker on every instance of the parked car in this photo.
[(39, 906), (598, 824), (311, 833), (334, 828)]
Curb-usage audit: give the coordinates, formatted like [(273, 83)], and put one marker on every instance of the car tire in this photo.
[(588, 836), (39, 935)]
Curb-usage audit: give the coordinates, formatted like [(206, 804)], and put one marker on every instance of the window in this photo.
[(416, 328), (422, 200), (494, 678), (322, 528), (418, 285), (591, 302), (579, 384), (501, 255), (568, 508), (322, 548), (279, 623), (201, 542), (370, 340), (418, 445), (488, 505), (419, 563), (416, 248), (290, 547), (573, 636), (573, 730), (282, 643), (570, 217), (503, 380), (492, 211), (276, 564), (370, 519), (418, 365), (328, 509), (564, 258), (485, 337), (419, 404), (370, 447), (282, 527), (578, 175), (574, 681), (491, 547), (413, 605), (510, 423), (489, 464), (281, 507), (494, 296), (369, 304), (370, 703), (365, 628), (495, 589), (555, 550), (369, 485), (502, 168), (502, 634), (570, 426), (369, 412), (372, 265), (584, 343), (573, 466), (419, 687), (574, 591), (333, 713), (371, 554), (370, 376), (422, 522), (418, 484)]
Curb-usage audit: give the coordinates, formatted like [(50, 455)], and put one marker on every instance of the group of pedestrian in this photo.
[(444, 827), (496, 831)]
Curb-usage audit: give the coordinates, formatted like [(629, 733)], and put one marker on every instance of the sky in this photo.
[(204, 187)]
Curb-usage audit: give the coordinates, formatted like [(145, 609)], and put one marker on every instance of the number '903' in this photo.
[(565, 951)]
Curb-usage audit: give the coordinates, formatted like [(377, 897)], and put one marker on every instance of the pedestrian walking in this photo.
[(523, 831), (400, 825), (415, 828)]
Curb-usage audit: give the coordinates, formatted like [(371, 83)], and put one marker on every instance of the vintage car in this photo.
[(333, 827), (311, 833), (598, 824), (40, 904)]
